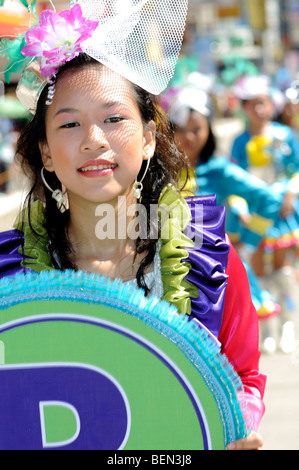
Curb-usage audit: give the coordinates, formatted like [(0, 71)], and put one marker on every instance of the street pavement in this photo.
[(280, 425)]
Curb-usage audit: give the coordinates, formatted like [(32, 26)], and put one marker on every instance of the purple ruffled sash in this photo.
[(10, 258), (208, 260)]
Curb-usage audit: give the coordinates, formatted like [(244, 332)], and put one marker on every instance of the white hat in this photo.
[(201, 81), (186, 100), (250, 87)]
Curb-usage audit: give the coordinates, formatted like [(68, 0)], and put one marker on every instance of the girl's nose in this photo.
[(95, 139)]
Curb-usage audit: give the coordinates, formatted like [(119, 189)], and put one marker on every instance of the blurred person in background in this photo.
[(289, 109), (13, 117), (248, 199), (7, 151), (270, 150)]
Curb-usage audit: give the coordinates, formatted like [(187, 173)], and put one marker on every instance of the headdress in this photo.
[(139, 39)]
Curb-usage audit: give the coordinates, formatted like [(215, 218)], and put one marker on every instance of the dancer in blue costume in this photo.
[(96, 139), (271, 151), (265, 144), (190, 113)]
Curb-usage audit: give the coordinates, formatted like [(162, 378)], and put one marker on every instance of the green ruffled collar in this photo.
[(175, 216), (35, 247), (174, 244)]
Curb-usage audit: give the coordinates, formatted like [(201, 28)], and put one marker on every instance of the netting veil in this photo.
[(139, 39)]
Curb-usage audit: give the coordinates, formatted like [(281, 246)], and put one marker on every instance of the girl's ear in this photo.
[(149, 140), (45, 155)]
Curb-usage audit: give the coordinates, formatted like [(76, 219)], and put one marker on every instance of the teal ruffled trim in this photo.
[(164, 318)]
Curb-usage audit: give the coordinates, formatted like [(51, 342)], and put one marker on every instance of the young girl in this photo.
[(100, 139)]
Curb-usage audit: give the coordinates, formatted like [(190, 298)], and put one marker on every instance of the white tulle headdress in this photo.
[(138, 39)]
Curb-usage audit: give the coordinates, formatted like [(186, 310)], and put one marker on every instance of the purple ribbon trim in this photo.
[(208, 260)]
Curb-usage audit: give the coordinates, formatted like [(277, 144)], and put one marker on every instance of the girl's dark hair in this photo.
[(165, 166), (209, 149)]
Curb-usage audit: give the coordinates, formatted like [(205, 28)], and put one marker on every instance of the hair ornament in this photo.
[(51, 91), (141, 43), (58, 38)]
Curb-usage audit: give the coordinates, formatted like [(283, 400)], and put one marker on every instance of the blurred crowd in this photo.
[(257, 179)]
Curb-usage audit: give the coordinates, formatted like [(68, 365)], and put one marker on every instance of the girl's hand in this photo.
[(253, 442)]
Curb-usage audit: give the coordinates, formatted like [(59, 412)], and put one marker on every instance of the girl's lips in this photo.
[(96, 171), (97, 162), (95, 168)]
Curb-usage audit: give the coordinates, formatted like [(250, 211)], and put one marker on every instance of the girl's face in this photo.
[(260, 109), (95, 139), (193, 137)]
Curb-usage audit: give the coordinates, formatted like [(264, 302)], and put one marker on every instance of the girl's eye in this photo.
[(69, 125), (115, 118)]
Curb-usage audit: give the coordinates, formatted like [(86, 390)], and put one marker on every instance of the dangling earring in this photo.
[(58, 195), (138, 186)]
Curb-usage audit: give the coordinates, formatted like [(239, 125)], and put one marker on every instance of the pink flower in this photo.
[(58, 38)]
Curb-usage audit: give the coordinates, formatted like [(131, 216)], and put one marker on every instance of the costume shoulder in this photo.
[(194, 258), (291, 155), (24, 248), (242, 138), (214, 167), (210, 175), (208, 260), (281, 131), (238, 152), (11, 257)]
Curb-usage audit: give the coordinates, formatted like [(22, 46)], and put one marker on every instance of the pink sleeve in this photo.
[(239, 336)]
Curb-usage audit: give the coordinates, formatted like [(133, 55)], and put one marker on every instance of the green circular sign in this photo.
[(87, 363)]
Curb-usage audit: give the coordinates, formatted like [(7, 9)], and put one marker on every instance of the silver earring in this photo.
[(58, 195), (138, 186)]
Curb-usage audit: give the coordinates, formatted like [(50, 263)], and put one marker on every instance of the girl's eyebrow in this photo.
[(110, 104), (65, 110), (107, 105)]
